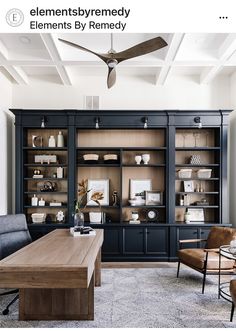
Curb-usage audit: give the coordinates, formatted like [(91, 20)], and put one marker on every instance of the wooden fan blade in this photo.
[(103, 57), (146, 47), (111, 78)]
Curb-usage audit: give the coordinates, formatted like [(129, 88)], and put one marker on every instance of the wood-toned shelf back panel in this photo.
[(121, 138)]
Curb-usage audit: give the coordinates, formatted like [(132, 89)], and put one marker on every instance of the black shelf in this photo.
[(213, 178), (144, 165), (98, 165), (110, 207), (44, 178), (144, 206), (205, 207), (39, 192), (197, 148), (197, 193), (63, 206), (127, 149), (97, 149), (45, 148), (55, 165), (184, 165)]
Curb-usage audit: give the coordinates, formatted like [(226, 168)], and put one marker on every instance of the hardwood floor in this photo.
[(107, 265)]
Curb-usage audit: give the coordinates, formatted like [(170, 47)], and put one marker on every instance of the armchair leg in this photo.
[(232, 313), (178, 269), (203, 281), (6, 310)]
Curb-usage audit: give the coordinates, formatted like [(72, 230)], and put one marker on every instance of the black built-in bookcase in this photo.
[(171, 137)]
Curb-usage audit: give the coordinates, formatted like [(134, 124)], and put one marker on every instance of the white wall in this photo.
[(6, 162), (180, 92)]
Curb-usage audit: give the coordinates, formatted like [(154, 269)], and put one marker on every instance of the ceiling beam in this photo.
[(172, 51), (225, 51), (54, 54), (16, 72)]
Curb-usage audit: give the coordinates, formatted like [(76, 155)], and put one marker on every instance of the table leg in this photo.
[(57, 304), (98, 269), (219, 275)]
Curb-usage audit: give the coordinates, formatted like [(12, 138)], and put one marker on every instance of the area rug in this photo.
[(147, 298)]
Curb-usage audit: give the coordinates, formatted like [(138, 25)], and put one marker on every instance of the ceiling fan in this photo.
[(111, 58)]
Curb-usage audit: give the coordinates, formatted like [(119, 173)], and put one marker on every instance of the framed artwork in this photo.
[(196, 214), (188, 186), (98, 185), (138, 187), (154, 198)]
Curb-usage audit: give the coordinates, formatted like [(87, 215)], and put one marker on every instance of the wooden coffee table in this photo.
[(56, 276)]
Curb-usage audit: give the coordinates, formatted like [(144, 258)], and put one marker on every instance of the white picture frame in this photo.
[(138, 187), (98, 185), (188, 186), (196, 214), (154, 198)]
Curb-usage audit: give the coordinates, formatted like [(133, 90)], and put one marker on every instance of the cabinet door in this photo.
[(157, 241), (111, 243), (133, 240), (186, 233)]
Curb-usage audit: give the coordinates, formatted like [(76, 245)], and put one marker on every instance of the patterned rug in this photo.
[(151, 297)]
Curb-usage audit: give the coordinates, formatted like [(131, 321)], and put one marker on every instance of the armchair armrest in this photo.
[(216, 250), (185, 241)]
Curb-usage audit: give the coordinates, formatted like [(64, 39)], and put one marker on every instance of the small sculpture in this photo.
[(115, 198), (60, 216)]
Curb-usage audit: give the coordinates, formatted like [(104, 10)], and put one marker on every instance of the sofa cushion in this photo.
[(219, 236), (195, 257)]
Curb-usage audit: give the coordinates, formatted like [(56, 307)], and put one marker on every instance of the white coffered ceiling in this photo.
[(26, 58)]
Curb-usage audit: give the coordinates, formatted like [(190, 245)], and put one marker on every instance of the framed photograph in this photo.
[(98, 185), (154, 198), (188, 186), (139, 186), (196, 214)]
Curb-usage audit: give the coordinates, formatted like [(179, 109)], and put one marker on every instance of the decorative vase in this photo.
[(138, 159), (60, 140), (78, 220), (51, 141), (146, 158)]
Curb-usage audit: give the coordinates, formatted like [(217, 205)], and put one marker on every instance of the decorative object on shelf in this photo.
[(187, 217), (97, 217), (197, 188), (138, 188), (184, 173), (196, 136), (38, 217), (37, 141), (202, 202), (80, 204), (59, 172), (204, 173), (186, 200), (45, 158), (145, 121), (60, 139), (37, 173), (146, 158), (91, 158), (195, 159), (232, 246), (201, 187), (134, 216), (34, 201), (51, 141), (188, 186), (137, 201), (153, 198), (48, 186), (138, 159), (41, 202), (195, 215), (55, 204), (60, 216), (98, 187), (54, 175), (115, 199), (152, 215), (110, 158), (181, 200)]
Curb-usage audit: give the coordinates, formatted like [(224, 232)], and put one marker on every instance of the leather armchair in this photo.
[(14, 235), (206, 260)]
